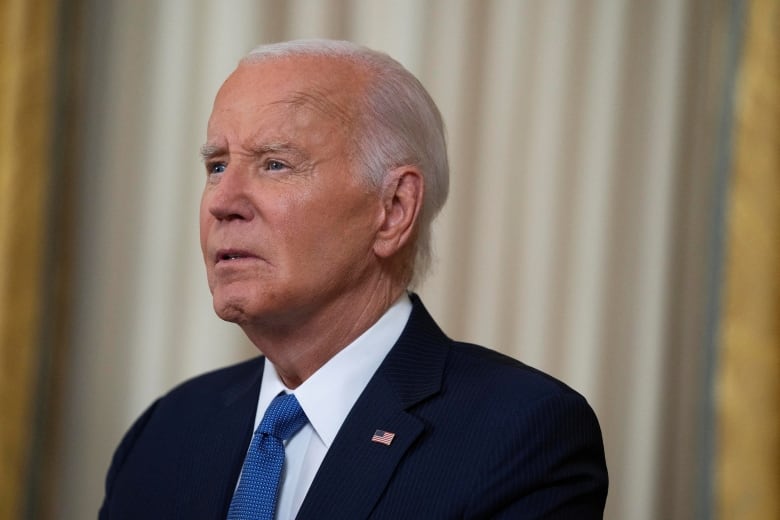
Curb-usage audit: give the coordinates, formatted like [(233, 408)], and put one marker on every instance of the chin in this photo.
[(229, 313), (232, 309)]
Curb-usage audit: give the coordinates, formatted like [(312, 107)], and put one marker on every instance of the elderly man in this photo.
[(325, 165)]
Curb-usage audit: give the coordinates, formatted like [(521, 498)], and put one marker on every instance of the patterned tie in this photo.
[(255, 498)]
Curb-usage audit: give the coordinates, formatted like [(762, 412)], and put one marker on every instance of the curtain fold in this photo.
[(27, 48), (748, 405)]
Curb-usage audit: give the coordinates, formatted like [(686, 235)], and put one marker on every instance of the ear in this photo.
[(402, 198)]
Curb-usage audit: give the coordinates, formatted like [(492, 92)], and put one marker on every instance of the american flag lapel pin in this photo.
[(383, 437)]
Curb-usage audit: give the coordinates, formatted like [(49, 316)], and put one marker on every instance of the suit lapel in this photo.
[(222, 443), (356, 470)]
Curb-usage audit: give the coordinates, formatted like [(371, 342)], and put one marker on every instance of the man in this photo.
[(325, 165)]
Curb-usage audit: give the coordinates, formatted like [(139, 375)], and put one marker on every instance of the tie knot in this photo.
[(283, 418)]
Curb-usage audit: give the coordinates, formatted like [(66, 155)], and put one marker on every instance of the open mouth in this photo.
[(228, 255)]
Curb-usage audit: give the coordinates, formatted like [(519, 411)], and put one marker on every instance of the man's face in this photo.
[(287, 223)]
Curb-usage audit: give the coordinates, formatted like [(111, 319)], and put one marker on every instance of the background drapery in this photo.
[(748, 383), (27, 55), (581, 234)]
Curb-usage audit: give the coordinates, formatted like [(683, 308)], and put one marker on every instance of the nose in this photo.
[(228, 197)]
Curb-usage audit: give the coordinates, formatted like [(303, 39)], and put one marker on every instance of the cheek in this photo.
[(205, 224), (343, 227)]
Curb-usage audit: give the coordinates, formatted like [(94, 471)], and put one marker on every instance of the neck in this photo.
[(299, 349)]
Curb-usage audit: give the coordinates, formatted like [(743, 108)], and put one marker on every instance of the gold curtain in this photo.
[(27, 44), (748, 458)]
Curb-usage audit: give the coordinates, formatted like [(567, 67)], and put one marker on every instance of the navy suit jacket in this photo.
[(477, 435)]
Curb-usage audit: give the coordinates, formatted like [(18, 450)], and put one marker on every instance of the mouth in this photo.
[(230, 255)]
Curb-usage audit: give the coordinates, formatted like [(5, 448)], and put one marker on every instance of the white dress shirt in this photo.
[(326, 397)]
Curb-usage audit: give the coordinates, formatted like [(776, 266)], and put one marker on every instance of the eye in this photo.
[(215, 168), (274, 165)]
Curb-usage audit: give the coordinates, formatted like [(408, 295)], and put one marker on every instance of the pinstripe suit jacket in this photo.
[(477, 435)]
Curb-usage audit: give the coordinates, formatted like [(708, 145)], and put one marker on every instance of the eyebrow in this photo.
[(208, 150), (273, 147)]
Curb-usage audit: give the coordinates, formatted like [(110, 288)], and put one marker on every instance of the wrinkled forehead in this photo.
[(322, 102), (327, 86)]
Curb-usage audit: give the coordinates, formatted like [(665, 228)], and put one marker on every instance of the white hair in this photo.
[(399, 124)]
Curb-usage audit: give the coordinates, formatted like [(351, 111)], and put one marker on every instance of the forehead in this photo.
[(306, 87)]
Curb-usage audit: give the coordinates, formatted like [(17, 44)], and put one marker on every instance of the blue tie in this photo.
[(255, 497)]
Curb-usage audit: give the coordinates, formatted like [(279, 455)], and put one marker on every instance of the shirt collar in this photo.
[(328, 395)]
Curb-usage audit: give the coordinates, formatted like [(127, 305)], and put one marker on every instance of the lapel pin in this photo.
[(383, 437)]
